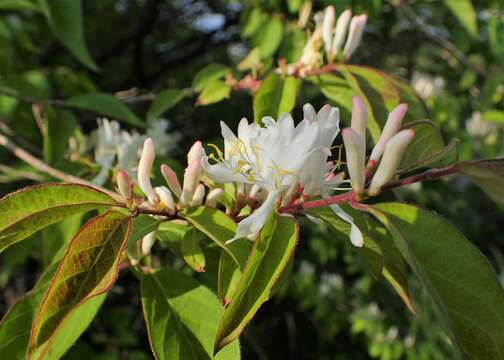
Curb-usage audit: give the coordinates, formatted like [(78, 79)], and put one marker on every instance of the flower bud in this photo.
[(195, 152), (354, 36), (171, 179), (359, 118), (355, 154), (198, 196), (309, 113), (123, 184), (147, 242), (166, 199), (254, 191), (392, 125), (191, 181), (341, 31), (394, 151), (327, 28), (213, 196), (144, 170)]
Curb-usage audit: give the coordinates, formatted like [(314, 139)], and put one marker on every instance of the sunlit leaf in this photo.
[(214, 91), (465, 14), (105, 104), (268, 37), (18, 5), (275, 96), (33, 208), (455, 274), (65, 19), (165, 100), (209, 74), (191, 250), (88, 269), (182, 317), (269, 256)]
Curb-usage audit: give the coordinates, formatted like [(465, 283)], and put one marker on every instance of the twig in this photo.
[(349, 197), (43, 167)]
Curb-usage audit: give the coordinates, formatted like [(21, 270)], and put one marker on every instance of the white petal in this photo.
[(254, 223), (355, 234), (220, 173), (309, 112)]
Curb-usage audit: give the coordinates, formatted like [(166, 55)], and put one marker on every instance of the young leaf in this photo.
[(65, 19), (456, 275), (269, 256), (33, 208), (268, 37), (208, 74), (336, 89), (164, 101), (214, 91), (488, 174), (88, 269), (105, 104), (191, 251), (218, 227), (275, 96), (16, 324), (181, 317)]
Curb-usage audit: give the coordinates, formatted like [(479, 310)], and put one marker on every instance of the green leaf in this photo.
[(456, 275), (60, 125), (213, 92), (88, 269), (164, 101), (496, 116), (181, 317), (18, 5), (56, 237), (293, 5), (465, 14), (16, 324), (65, 19), (427, 148), (270, 254), (336, 89), (218, 227), (105, 104), (250, 21), (275, 96), (191, 250), (33, 208), (292, 46), (209, 74), (488, 174), (269, 37)]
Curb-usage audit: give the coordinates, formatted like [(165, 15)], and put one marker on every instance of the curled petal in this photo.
[(355, 234), (166, 198), (147, 242)]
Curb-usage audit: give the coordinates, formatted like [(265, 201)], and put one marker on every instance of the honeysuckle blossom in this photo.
[(279, 158)]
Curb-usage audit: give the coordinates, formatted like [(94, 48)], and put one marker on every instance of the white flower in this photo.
[(164, 142), (278, 158)]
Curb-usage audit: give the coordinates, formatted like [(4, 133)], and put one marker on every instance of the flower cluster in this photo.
[(331, 34)]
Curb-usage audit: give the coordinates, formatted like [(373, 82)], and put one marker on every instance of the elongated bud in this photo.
[(392, 125), (359, 118), (391, 159), (341, 31), (355, 156), (171, 179), (123, 184), (354, 35), (327, 28), (147, 242), (144, 171), (195, 152), (199, 195), (166, 199), (191, 181), (213, 196), (254, 191)]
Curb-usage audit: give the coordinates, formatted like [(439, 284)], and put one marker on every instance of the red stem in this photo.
[(349, 197)]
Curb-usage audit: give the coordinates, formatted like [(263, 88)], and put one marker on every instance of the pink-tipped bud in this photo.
[(171, 179), (359, 118), (144, 171), (191, 181), (394, 151), (147, 243), (196, 152), (213, 197), (392, 125), (166, 199), (198, 196), (341, 31), (355, 156), (123, 184), (354, 35), (328, 27)]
